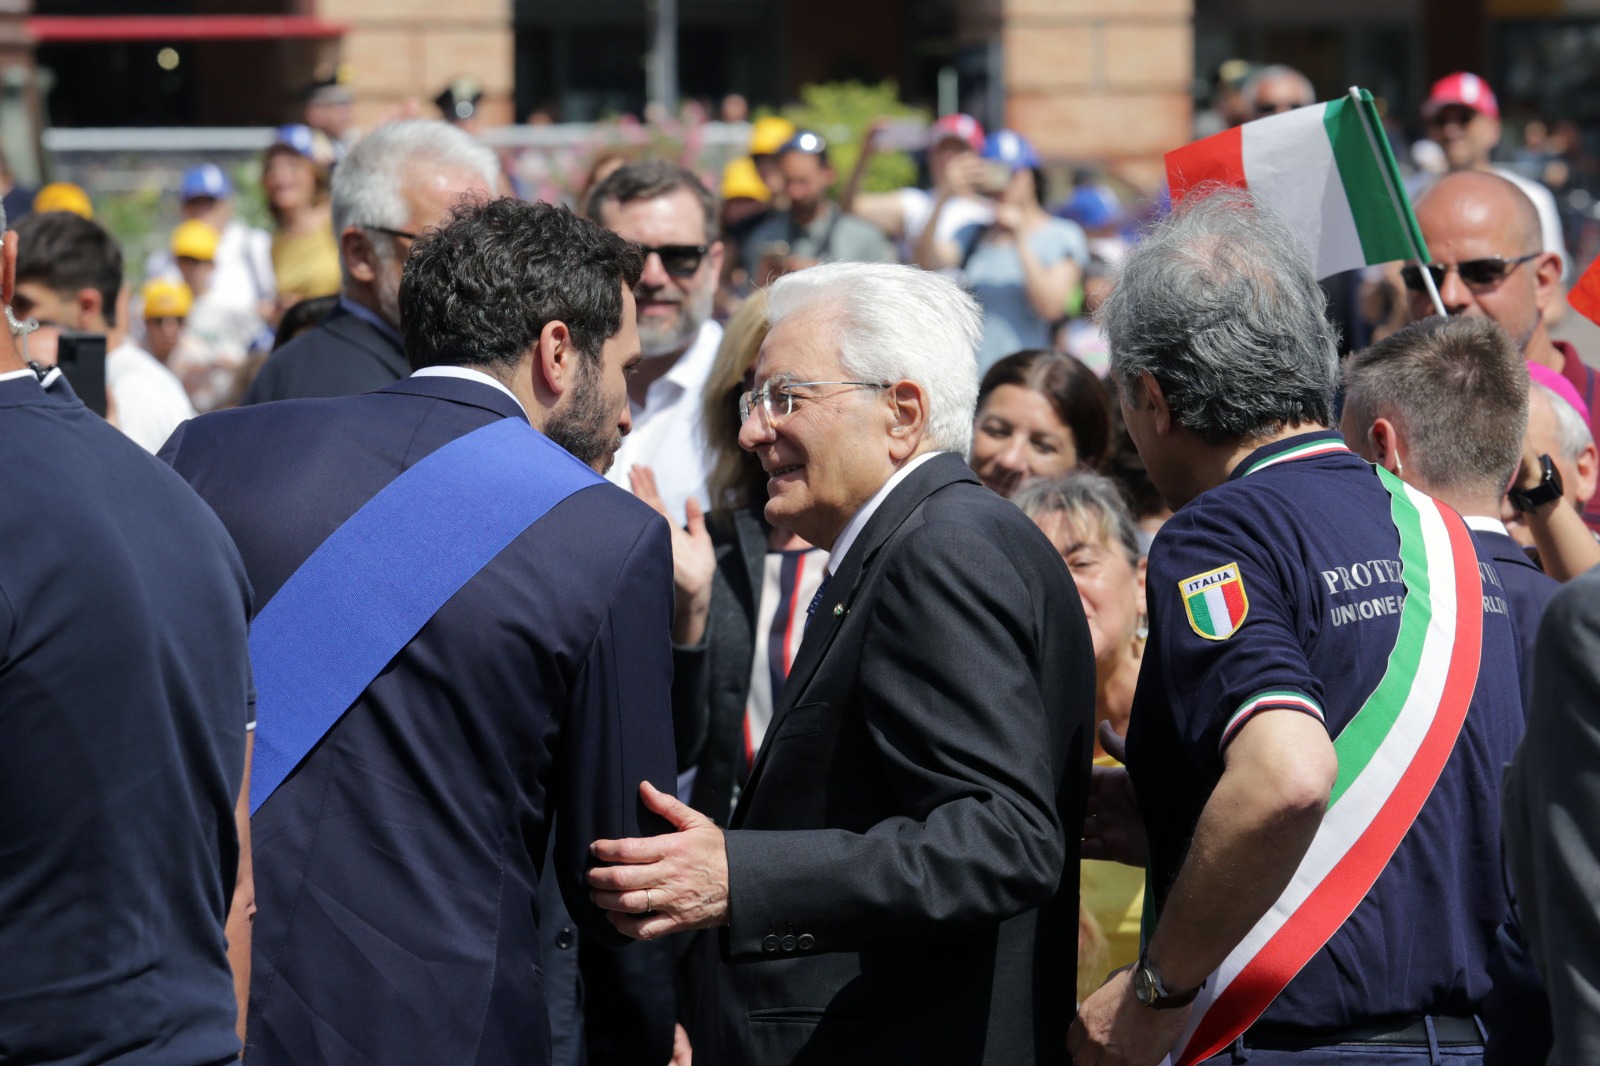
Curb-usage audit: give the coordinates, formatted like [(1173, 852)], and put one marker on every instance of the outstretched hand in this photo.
[(694, 558), (663, 884)]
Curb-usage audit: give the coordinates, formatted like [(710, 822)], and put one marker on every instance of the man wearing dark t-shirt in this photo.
[(125, 697), (1320, 808)]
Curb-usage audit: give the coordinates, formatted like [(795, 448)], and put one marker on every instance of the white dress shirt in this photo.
[(858, 521), (467, 373), (1485, 524), (666, 434)]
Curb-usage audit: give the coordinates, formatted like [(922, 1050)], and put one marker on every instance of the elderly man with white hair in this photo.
[(401, 179), (890, 888)]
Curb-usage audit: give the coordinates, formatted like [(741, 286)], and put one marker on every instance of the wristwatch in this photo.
[(1148, 989), (1548, 488)]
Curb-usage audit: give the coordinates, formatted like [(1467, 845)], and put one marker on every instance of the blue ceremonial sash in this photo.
[(374, 583)]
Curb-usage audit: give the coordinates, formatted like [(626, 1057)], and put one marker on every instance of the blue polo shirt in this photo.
[(1286, 579), (124, 696)]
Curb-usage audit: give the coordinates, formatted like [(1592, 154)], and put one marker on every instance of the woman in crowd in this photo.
[(1025, 266), (1085, 518), (1040, 414), (305, 253), (742, 589)]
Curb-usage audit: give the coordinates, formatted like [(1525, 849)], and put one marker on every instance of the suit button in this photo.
[(564, 938), (770, 943), (788, 943), (807, 941)]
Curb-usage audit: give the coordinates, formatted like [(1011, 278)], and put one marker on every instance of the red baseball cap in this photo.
[(1464, 90), (959, 127)]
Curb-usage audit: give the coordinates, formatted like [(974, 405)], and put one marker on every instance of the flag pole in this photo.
[(1395, 199)]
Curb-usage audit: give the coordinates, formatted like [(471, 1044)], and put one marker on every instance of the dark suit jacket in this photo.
[(711, 680), (1528, 590), (1550, 824), (397, 868), (340, 356), (896, 861)]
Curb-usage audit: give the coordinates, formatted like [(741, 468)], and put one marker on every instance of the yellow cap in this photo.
[(166, 299), (769, 134), (740, 181), (195, 240), (63, 196)]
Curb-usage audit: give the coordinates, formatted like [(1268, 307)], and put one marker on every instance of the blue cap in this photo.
[(207, 179), (1011, 148), (303, 140), (1092, 207)]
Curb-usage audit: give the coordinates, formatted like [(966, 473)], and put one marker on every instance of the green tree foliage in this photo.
[(841, 112)]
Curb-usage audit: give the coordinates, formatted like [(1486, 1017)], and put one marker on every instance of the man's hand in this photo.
[(663, 884), (682, 1050), (1113, 828), (1008, 217), (1114, 1029), (965, 175), (1531, 471)]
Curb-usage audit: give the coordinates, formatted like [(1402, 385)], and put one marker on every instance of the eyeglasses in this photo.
[(1270, 107), (777, 399), (393, 232), (1474, 273), (679, 260)]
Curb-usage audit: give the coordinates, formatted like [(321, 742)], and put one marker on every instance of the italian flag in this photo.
[(1327, 169)]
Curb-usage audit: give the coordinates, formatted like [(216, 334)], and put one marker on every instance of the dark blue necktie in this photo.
[(816, 601)]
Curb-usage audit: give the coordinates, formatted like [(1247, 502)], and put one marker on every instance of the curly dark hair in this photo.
[(480, 289)]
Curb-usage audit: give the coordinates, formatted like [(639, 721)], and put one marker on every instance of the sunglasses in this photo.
[(679, 260), (1474, 273)]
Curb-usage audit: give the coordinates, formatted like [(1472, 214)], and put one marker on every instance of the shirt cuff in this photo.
[(1273, 699)]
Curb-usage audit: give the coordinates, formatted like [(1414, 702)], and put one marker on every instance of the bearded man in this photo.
[(673, 218)]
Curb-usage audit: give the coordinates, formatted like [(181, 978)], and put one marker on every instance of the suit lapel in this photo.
[(935, 474)]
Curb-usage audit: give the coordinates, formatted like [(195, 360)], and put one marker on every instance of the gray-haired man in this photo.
[(401, 179), (1305, 823), (891, 887)]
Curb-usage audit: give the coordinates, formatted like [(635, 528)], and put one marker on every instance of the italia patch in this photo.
[(1215, 602)]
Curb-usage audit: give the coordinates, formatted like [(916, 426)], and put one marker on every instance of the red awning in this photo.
[(101, 29)]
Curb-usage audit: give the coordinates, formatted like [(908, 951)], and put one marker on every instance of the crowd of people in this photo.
[(757, 625)]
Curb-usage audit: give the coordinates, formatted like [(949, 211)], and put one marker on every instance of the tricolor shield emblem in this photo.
[(1215, 601)]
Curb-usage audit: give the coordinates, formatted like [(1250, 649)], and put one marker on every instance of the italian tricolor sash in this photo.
[(1390, 756)]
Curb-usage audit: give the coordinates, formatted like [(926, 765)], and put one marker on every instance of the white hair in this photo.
[(897, 323), (369, 184), (1572, 435)]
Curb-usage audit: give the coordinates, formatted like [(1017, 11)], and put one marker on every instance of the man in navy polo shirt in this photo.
[(125, 697), (1320, 807)]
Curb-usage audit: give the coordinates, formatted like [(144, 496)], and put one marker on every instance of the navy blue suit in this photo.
[(340, 356), (124, 697), (397, 869)]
